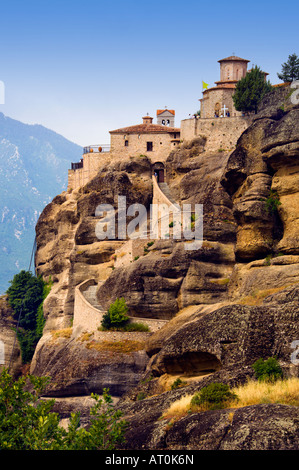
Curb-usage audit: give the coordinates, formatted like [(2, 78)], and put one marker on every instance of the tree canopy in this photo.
[(290, 69), (27, 422), (26, 295), (250, 90)]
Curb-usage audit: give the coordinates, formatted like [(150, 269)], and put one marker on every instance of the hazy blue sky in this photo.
[(83, 68)]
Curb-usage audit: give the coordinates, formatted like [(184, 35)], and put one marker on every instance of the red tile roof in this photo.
[(233, 57), (160, 111), (146, 129)]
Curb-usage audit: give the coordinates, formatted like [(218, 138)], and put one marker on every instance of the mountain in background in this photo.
[(33, 170)]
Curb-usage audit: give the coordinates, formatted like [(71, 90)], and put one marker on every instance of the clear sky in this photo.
[(84, 67)]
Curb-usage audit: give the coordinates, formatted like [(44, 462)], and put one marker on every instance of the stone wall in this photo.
[(163, 144), (221, 96), (221, 133), (86, 317), (91, 165), (137, 145)]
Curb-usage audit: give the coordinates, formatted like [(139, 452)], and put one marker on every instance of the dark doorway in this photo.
[(159, 171), (160, 176)]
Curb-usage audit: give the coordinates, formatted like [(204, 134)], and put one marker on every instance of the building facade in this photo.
[(217, 101), (153, 140)]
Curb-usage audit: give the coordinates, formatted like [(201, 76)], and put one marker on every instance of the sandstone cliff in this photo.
[(227, 304)]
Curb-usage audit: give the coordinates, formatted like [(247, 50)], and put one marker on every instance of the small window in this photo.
[(149, 146), (163, 122), (167, 122), (126, 143)]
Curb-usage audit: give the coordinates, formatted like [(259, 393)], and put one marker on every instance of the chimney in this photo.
[(147, 120)]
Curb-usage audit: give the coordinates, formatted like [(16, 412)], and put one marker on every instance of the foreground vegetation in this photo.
[(27, 422)]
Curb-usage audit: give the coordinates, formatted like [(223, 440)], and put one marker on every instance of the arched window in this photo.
[(163, 122)]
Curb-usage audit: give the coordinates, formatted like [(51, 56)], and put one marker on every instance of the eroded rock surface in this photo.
[(228, 304)]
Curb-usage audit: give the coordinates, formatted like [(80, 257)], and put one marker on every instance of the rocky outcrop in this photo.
[(169, 278), (68, 249), (10, 353), (261, 175), (231, 336), (228, 303), (217, 346), (194, 177), (87, 364), (257, 427)]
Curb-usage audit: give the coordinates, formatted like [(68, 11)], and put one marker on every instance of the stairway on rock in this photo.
[(91, 297), (166, 190)]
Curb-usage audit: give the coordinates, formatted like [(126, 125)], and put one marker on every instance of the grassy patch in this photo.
[(124, 347), (178, 383), (220, 282), (257, 297), (64, 333), (85, 337), (283, 391)]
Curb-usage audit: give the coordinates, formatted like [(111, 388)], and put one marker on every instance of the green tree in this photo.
[(250, 90), (27, 423), (26, 295), (116, 316), (290, 69)]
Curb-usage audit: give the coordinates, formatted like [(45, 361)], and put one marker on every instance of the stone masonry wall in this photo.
[(221, 96), (162, 145), (221, 133)]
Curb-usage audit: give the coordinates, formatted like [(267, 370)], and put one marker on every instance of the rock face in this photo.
[(10, 353), (262, 169), (81, 366), (170, 278), (68, 249), (258, 427), (229, 303), (232, 336)]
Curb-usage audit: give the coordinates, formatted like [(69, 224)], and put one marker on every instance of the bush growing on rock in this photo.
[(116, 316), (267, 370), (213, 396)]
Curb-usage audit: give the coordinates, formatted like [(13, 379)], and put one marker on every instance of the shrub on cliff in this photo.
[(213, 396), (27, 423), (267, 370), (116, 316)]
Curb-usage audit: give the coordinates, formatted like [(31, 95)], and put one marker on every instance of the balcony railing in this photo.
[(96, 149), (76, 166)]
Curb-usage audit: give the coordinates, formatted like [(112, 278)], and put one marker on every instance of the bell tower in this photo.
[(165, 117)]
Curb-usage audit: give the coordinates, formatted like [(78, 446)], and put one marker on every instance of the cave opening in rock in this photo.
[(192, 363)]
